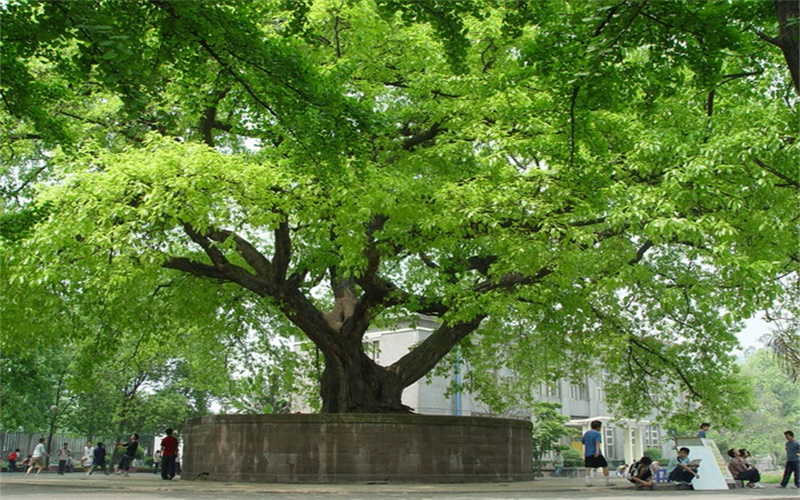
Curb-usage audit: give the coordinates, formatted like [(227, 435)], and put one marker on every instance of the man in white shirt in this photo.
[(38, 458)]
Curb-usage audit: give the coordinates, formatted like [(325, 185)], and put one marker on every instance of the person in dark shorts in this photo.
[(593, 452)]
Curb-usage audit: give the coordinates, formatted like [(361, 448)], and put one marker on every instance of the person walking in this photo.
[(98, 459), (792, 461), (38, 458), (63, 456), (169, 454), (156, 461), (593, 455), (86, 459)]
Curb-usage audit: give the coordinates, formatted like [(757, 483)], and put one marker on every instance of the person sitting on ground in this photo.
[(680, 470), (742, 471), (640, 473)]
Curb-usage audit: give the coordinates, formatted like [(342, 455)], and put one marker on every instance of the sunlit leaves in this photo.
[(605, 182)]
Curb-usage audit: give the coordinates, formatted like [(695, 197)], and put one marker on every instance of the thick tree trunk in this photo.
[(354, 383)]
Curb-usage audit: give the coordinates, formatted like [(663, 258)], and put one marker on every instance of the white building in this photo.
[(582, 402)]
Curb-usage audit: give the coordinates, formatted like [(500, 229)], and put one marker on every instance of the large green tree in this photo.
[(583, 183)]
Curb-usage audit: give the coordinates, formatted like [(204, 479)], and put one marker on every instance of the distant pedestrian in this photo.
[(593, 455), (98, 459), (704, 427), (38, 458), (86, 459), (558, 464), (12, 460), (63, 456), (169, 454), (156, 461), (792, 461), (130, 453)]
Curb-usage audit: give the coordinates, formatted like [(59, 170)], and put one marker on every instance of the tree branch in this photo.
[(418, 362), (776, 173), (283, 251), (426, 136)]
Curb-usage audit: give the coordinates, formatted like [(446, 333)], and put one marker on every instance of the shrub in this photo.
[(572, 458), (653, 453)]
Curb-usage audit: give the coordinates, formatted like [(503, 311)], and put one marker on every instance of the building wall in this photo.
[(578, 401)]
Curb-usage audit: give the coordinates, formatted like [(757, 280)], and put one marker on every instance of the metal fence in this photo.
[(9, 441)]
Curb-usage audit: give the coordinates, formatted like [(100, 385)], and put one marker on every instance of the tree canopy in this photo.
[(566, 186)]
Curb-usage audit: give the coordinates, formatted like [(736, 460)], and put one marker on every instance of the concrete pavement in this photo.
[(140, 486)]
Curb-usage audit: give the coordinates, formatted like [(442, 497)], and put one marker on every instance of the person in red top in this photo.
[(169, 453), (12, 460)]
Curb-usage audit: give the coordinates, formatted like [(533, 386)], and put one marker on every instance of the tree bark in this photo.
[(354, 383), (788, 39)]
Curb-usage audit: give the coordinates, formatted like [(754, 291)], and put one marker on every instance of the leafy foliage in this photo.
[(775, 408), (548, 428), (566, 186)]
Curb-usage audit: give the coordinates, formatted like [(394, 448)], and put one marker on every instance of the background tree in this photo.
[(784, 337), (776, 408), (549, 426), (585, 184)]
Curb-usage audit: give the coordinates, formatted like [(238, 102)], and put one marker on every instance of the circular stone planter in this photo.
[(341, 448)]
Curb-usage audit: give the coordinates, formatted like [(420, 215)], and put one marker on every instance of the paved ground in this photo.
[(148, 486)]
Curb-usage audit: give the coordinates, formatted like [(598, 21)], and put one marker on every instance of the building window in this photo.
[(372, 349), (579, 392), (608, 441), (551, 389), (652, 436)]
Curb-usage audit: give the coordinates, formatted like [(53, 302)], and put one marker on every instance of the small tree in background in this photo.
[(549, 426)]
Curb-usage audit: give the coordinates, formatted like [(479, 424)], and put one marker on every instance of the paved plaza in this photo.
[(148, 486)]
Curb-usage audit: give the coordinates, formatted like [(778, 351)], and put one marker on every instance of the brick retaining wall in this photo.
[(334, 448)]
